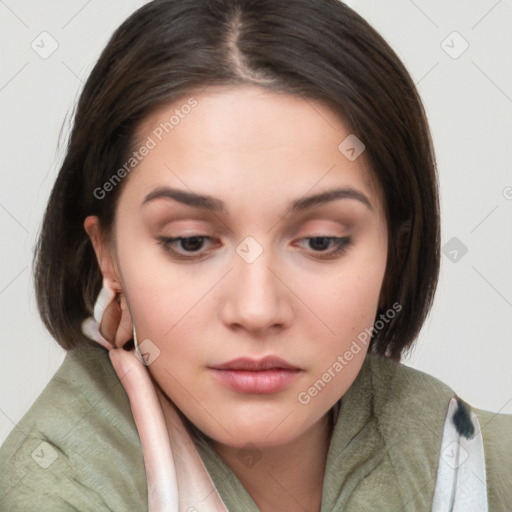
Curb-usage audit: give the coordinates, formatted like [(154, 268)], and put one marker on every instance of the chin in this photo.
[(255, 428), (255, 437)]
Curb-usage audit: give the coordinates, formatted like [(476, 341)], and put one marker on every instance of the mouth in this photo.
[(256, 376)]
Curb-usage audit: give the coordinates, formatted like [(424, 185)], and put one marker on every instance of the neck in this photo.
[(286, 477)]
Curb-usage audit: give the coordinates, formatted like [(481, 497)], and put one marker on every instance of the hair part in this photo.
[(169, 48)]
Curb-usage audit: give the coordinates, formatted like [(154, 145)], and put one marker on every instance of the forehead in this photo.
[(248, 136)]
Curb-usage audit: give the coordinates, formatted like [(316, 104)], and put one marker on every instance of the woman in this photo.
[(247, 221)]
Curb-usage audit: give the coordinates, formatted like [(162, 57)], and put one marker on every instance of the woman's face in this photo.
[(255, 276)]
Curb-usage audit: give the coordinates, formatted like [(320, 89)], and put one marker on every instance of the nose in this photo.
[(257, 299)]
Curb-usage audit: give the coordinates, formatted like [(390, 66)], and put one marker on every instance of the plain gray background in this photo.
[(458, 53)]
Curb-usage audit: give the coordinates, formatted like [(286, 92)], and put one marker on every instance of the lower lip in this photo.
[(257, 382)]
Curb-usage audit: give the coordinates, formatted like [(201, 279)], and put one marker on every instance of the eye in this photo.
[(321, 243), (189, 244)]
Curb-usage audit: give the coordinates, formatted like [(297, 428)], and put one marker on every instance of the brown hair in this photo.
[(318, 49)]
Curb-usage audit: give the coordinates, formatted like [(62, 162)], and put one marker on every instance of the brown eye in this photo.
[(320, 244), (191, 243), (190, 246)]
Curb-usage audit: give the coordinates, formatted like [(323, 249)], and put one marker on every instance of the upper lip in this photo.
[(249, 364)]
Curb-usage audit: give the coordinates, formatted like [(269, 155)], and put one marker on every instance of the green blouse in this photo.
[(78, 449)]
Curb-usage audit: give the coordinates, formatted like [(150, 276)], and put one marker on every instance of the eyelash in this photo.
[(341, 245)]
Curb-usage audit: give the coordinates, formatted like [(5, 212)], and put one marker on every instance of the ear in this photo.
[(116, 324), (104, 253)]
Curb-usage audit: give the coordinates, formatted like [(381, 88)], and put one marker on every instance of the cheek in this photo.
[(347, 311), (345, 304), (171, 305), (347, 299), (155, 296)]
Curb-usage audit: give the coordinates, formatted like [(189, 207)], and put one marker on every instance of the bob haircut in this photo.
[(315, 49)]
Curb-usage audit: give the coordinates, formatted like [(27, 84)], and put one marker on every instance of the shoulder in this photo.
[(407, 399), (413, 410), (74, 440), (496, 432)]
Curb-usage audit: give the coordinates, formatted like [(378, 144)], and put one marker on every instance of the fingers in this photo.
[(125, 328), (116, 323), (110, 321)]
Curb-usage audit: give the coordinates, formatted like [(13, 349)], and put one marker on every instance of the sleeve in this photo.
[(77, 448), (497, 435), (31, 481)]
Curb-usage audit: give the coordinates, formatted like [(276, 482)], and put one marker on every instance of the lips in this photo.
[(267, 363), (256, 376)]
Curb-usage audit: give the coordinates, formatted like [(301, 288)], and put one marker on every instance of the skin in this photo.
[(257, 151)]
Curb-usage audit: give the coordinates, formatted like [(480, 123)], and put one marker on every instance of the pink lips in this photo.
[(258, 376)]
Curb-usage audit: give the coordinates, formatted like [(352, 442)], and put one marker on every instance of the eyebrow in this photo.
[(217, 206)]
